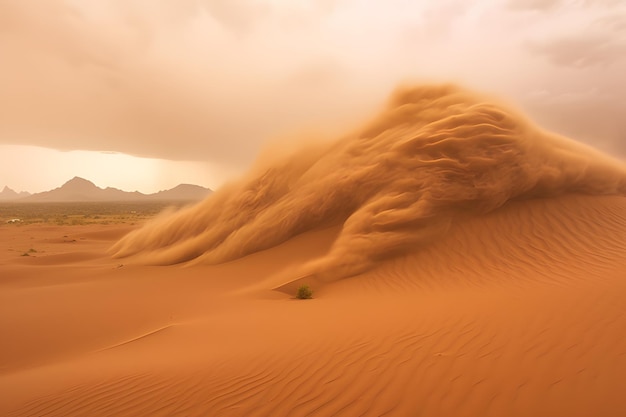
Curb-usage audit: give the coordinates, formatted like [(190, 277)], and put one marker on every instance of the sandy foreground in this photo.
[(521, 312)]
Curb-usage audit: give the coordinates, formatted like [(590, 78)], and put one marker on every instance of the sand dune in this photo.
[(491, 281), (518, 313)]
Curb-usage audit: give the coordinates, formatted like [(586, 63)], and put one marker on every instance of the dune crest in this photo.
[(435, 154)]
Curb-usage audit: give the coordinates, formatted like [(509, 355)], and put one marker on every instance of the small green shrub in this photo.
[(304, 292)]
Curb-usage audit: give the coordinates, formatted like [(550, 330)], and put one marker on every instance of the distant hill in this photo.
[(8, 194), (182, 192), (79, 189)]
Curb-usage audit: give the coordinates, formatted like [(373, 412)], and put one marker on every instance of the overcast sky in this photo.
[(144, 94)]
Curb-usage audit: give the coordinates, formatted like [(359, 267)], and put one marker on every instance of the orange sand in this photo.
[(518, 312)]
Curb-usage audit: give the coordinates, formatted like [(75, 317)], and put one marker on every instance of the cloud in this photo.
[(575, 59), (541, 5), (239, 16), (593, 114), (582, 50), (214, 80), (172, 82), (601, 41), (575, 34)]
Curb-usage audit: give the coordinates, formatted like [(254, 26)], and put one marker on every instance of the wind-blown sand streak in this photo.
[(436, 153)]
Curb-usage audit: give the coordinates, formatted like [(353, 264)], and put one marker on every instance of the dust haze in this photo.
[(436, 154), (172, 79)]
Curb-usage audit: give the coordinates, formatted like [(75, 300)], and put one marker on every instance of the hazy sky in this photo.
[(192, 89)]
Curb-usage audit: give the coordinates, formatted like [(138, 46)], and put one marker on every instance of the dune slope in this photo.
[(519, 313)]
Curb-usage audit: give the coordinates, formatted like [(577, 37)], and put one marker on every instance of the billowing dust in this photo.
[(435, 154)]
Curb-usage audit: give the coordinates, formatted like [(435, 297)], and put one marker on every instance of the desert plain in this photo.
[(494, 319)]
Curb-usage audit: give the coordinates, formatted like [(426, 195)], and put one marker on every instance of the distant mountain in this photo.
[(79, 189), (182, 192), (8, 194)]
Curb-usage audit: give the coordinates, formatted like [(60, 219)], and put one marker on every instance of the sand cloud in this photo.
[(436, 154)]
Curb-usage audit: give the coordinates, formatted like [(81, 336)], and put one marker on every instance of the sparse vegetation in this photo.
[(304, 292), (27, 253), (80, 213)]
